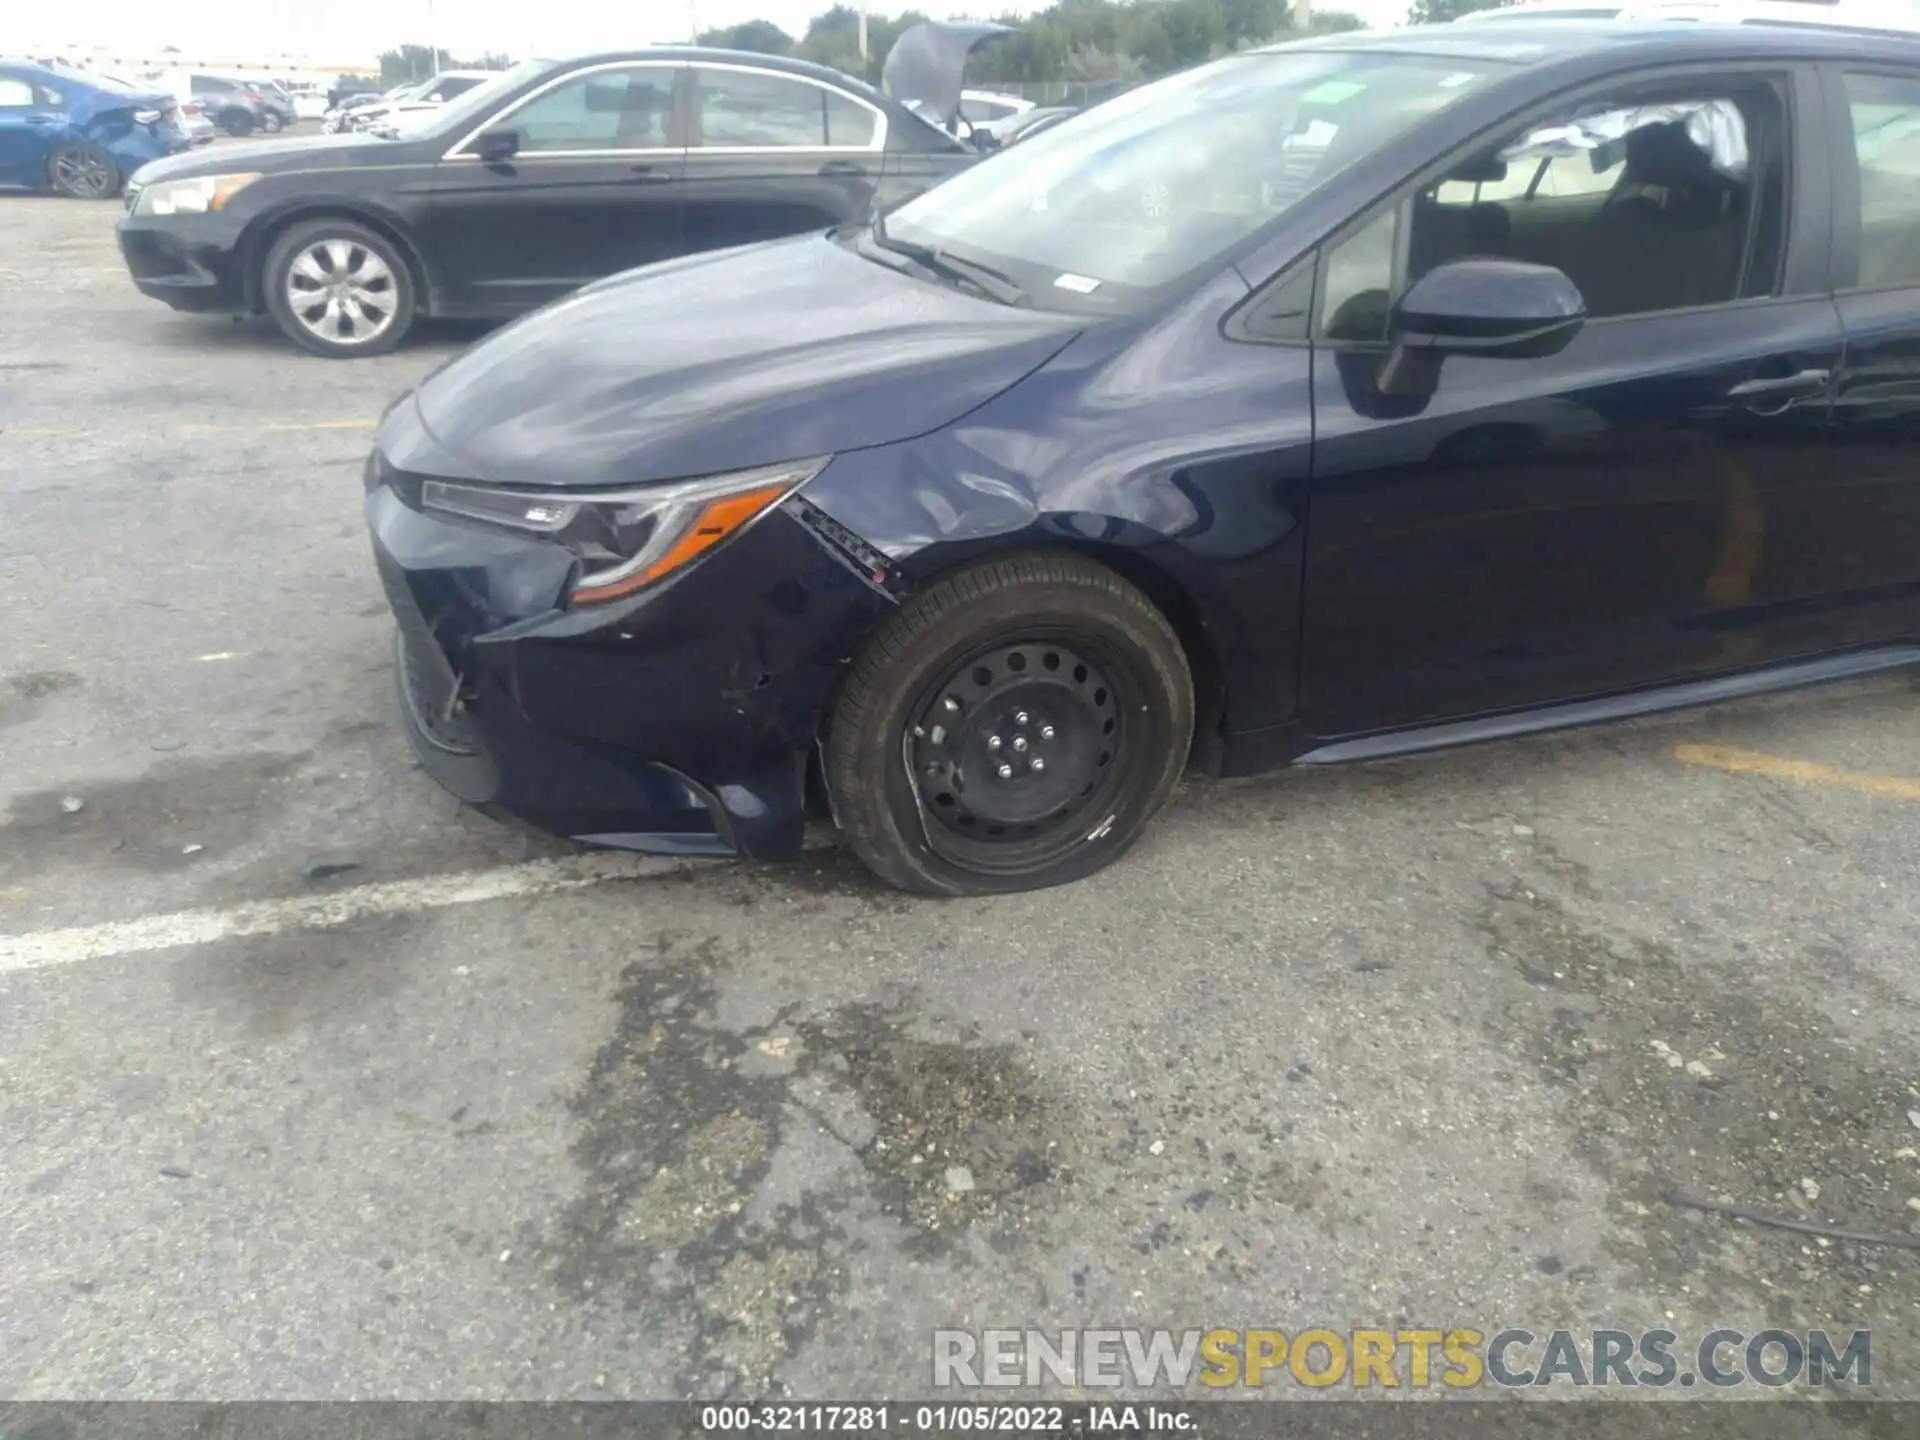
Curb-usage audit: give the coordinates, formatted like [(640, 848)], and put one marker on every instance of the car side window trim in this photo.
[(495, 121), (875, 145), (1803, 267)]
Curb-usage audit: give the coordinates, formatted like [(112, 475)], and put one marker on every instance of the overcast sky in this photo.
[(468, 26)]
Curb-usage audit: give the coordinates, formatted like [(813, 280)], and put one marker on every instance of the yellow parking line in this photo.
[(272, 427), (1805, 772)]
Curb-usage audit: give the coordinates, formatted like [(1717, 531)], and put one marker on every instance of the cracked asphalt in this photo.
[(1426, 1043)]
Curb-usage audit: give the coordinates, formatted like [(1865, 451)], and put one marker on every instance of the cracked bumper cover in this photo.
[(676, 722)]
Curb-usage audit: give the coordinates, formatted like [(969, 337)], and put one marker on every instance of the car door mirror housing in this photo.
[(497, 145), (1495, 309)]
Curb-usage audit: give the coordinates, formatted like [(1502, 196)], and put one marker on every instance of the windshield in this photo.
[(470, 105), (1100, 210)]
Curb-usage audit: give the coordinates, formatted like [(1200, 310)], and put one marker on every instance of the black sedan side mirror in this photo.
[(497, 145), (1495, 309)]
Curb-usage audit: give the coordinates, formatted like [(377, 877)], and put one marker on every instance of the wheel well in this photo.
[(1173, 601), (262, 245)]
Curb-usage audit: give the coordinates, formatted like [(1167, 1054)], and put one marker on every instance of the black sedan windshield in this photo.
[(1105, 208)]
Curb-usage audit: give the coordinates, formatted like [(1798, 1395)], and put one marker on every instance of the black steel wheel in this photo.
[(82, 171), (1013, 727)]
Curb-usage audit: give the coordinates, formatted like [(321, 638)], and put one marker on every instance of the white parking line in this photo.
[(318, 912)]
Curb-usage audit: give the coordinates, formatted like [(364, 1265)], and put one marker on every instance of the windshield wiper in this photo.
[(984, 278)]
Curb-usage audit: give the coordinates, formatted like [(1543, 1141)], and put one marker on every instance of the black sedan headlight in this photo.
[(626, 540)]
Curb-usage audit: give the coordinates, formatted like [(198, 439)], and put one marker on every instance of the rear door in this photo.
[(1632, 512), (594, 187), (772, 154), (1877, 405)]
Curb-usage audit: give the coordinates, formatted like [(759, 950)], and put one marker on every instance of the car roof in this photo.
[(696, 54), (43, 71), (1561, 40)]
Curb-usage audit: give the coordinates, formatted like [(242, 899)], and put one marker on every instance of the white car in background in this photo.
[(982, 107), (429, 95)]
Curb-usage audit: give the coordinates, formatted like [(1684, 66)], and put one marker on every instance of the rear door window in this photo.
[(758, 110), (1886, 141), (15, 94)]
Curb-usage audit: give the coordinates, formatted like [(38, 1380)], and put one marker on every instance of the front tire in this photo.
[(1013, 727), (83, 171), (338, 289), (270, 124)]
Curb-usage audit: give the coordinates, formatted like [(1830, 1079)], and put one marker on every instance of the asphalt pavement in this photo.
[(313, 1084)]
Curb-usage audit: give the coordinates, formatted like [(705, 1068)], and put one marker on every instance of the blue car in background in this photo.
[(78, 134)]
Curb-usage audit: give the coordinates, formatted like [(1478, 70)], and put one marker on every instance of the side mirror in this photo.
[(495, 146), (1495, 309)]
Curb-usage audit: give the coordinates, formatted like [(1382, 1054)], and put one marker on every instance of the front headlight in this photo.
[(191, 197), (627, 540)]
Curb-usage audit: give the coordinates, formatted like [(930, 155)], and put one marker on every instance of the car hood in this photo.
[(714, 363), (271, 157), (927, 64)]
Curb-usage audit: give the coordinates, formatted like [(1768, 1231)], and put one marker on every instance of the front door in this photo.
[(593, 187), (775, 154), (1624, 513), (27, 130)]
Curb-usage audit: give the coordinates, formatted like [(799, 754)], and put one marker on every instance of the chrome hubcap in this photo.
[(342, 292)]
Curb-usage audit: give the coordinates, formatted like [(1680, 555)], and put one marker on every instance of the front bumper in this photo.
[(192, 262), (678, 722)]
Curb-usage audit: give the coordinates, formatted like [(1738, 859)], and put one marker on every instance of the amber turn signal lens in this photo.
[(712, 524)]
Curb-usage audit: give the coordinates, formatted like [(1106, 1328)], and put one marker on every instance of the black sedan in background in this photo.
[(552, 175)]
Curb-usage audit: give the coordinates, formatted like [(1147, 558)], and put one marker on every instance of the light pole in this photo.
[(863, 32)]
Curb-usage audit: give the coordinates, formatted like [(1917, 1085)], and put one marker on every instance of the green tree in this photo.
[(762, 37), (1436, 12)]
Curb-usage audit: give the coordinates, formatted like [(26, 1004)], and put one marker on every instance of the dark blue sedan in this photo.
[(1330, 402), (80, 135)]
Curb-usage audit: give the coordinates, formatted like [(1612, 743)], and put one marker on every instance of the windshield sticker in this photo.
[(1332, 92), (1079, 284)]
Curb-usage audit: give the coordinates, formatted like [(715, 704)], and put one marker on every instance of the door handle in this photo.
[(843, 167), (44, 120), (652, 175), (1782, 387)]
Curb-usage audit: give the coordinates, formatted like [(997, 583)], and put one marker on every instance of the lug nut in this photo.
[(993, 742), (1021, 718), (1006, 772), (1046, 732), (1038, 764), (950, 705)]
